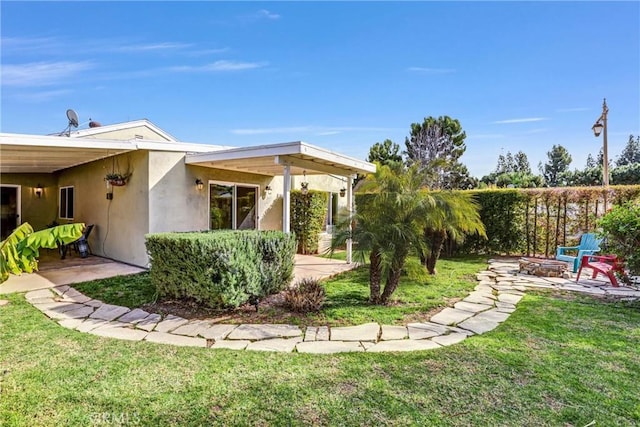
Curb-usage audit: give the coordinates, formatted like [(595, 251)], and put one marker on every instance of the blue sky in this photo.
[(340, 75)]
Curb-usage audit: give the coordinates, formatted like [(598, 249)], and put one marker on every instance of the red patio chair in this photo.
[(601, 264)]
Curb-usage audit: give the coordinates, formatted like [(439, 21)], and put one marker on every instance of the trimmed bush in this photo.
[(221, 268), (308, 213), (308, 295)]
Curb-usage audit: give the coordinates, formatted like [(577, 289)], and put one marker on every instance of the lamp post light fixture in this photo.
[(601, 127), (304, 185)]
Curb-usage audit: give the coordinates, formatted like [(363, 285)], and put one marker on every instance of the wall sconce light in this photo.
[(199, 184), (304, 185), (268, 190), (38, 190), (343, 191)]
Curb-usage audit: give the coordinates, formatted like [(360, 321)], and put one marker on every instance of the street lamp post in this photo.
[(601, 126)]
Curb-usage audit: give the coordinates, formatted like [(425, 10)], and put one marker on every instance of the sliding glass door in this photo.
[(233, 206)]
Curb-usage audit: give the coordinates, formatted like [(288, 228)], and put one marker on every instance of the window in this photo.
[(232, 206), (66, 203), (332, 213)]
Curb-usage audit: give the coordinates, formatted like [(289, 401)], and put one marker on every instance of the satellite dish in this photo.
[(73, 118)]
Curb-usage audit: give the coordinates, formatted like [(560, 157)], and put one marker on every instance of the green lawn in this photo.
[(559, 360), (418, 295)]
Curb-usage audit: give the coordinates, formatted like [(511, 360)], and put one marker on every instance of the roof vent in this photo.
[(93, 124)]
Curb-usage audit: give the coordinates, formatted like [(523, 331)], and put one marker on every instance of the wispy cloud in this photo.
[(318, 130), (152, 47), (23, 45), (571, 110), (263, 13), (429, 70), (222, 65), (42, 73), (523, 120), (204, 52)]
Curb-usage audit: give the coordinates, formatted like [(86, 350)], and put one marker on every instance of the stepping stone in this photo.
[(364, 332), (59, 307), (323, 333), (94, 303), (179, 340), (192, 328), (403, 345), (60, 290), (509, 298), (79, 299), (41, 293), (263, 332), (149, 322), (394, 332), (512, 292), (120, 333), (328, 347), (276, 344), (473, 308), (134, 316), (478, 326), (71, 293), (451, 316), (310, 333), (45, 300), (420, 331), (109, 312), (170, 323), (70, 323), (540, 285), (217, 332), (492, 316), (3, 302), (90, 324), (450, 339), (231, 345), (505, 309), (79, 313)]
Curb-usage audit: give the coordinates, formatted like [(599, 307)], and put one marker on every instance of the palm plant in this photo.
[(395, 216), (453, 215)]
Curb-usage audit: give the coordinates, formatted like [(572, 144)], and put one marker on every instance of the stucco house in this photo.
[(173, 185)]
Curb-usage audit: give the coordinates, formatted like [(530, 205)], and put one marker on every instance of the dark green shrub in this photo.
[(621, 229), (308, 213), (220, 268), (307, 295)]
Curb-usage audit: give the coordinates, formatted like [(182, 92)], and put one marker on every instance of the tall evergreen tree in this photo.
[(436, 145), (559, 161), (631, 152), (522, 163), (385, 153)]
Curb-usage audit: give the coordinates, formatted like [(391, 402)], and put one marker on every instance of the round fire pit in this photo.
[(543, 267)]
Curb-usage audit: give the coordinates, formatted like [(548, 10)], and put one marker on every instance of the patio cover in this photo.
[(291, 158)]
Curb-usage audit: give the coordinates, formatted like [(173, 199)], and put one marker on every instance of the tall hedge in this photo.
[(536, 221), (308, 214), (221, 268)]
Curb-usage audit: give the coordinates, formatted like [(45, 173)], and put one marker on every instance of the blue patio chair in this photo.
[(589, 245)]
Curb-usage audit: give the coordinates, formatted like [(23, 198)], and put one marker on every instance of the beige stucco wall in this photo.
[(175, 204), (39, 212), (122, 222)]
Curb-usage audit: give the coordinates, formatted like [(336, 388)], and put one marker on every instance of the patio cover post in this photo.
[(286, 200), (350, 211)]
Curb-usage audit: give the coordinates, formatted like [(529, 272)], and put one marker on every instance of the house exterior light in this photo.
[(38, 190), (199, 184)]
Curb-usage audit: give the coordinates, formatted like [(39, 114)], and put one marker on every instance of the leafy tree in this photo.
[(591, 163), (436, 145), (522, 163), (631, 152), (385, 153), (621, 227), (559, 161), (625, 175)]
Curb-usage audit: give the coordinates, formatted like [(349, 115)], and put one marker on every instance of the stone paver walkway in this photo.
[(499, 290)]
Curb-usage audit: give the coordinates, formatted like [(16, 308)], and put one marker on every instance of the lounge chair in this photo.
[(589, 245)]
